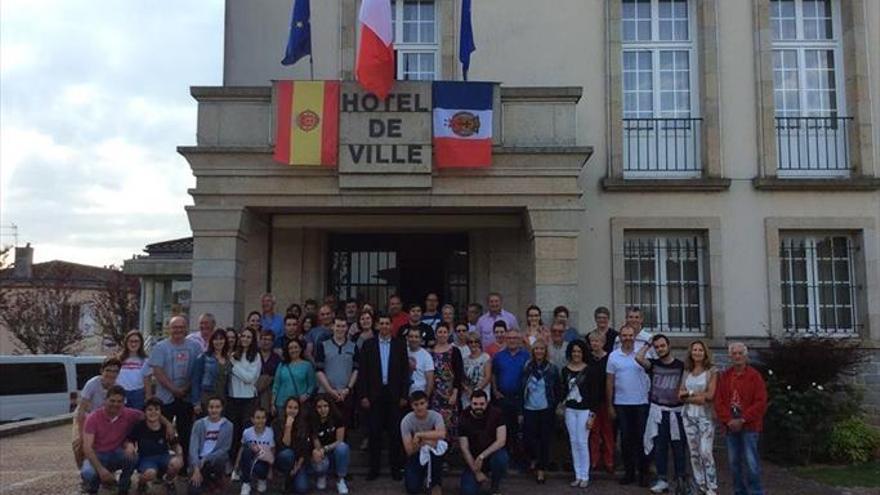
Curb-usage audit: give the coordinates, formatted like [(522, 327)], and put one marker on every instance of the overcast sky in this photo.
[(94, 100)]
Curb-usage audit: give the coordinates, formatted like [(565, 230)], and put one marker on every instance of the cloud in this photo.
[(95, 101)]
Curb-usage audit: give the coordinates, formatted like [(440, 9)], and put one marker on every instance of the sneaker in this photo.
[(321, 484), (262, 486), (245, 489), (575, 483), (584, 484), (341, 487), (660, 486)]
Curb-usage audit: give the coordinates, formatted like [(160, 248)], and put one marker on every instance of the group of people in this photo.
[(278, 398)]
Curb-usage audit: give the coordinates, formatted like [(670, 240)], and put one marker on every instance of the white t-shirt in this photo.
[(132, 373), (265, 440), (94, 392), (212, 434), (420, 362), (631, 383)]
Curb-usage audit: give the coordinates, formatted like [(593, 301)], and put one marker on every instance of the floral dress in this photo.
[(448, 371)]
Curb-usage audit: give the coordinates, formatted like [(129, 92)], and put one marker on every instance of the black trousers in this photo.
[(239, 412), (181, 412), (539, 428), (384, 417), (631, 421)]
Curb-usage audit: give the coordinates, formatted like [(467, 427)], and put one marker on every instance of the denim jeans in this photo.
[(135, 399), (113, 461), (661, 448), (338, 458), (415, 474), (496, 465), (284, 461), (742, 453), (250, 467), (631, 421)]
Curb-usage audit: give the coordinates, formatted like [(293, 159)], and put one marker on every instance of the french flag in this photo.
[(374, 69), (462, 124)]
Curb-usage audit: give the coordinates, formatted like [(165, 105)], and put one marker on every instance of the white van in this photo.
[(39, 386)]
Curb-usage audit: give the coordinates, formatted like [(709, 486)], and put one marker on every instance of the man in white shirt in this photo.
[(627, 386), (207, 324), (421, 365)]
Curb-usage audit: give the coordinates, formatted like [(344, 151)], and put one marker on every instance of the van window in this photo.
[(85, 371), (32, 378)]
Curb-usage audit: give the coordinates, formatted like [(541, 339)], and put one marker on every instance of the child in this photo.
[(153, 445), (256, 456), (209, 449)]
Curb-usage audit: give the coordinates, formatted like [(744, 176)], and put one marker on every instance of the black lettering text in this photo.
[(356, 151), (376, 128), (414, 153), (349, 102), (394, 128), (370, 103)]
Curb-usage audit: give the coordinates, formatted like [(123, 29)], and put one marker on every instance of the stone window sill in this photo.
[(699, 184), (843, 184)]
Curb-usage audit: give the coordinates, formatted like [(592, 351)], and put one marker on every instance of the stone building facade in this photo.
[(715, 162)]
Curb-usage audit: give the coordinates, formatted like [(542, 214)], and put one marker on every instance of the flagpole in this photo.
[(311, 67)]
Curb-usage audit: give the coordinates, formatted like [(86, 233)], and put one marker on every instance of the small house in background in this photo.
[(66, 297), (165, 274)]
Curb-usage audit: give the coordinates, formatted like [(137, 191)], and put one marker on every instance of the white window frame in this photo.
[(661, 280), (655, 46), (812, 282), (401, 49), (801, 46)]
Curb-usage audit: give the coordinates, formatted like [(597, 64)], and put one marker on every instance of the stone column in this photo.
[(220, 235), (554, 236), (148, 310)]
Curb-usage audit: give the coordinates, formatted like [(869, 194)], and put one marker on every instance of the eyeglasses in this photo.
[(473, 341)]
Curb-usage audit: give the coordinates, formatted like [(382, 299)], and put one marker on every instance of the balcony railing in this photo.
[(813, 146), (662, 147)]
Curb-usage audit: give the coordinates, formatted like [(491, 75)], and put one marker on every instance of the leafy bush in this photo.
[(853, 441), (807, 395)]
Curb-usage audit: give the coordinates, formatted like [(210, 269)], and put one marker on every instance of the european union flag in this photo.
[(466, 38), (299, 44)]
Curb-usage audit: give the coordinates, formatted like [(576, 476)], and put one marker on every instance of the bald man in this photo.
[(172, 361)]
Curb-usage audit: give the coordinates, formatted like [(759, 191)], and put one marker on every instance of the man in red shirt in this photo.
[(399, 318), (104, 443), (740, 404)]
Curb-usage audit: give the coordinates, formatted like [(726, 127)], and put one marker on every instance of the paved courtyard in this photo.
[(41, 463)]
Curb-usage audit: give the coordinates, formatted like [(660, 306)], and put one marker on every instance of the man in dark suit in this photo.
[(383, 385)]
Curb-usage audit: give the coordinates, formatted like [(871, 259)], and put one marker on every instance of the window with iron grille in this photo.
[(667, 276), (811, 127), (416, 35), (661, 127), (818, 284)]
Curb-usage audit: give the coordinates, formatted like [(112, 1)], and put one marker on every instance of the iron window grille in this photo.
[(667, 277), (819, 289)]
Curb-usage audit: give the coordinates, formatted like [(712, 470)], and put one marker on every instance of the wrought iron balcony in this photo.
[(662, 147), (813, 146)]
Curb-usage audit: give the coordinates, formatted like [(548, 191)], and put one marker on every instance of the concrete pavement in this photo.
[(41, 462)]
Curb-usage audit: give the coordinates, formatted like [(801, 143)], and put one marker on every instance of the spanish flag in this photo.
[(307, 127)]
